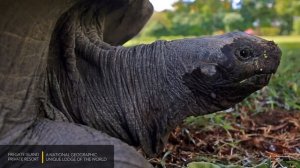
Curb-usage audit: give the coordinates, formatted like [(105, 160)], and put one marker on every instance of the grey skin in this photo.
[(66, 80)]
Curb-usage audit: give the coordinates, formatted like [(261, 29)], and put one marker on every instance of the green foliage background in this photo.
[(207, 17)]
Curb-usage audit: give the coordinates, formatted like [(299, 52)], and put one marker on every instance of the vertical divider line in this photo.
[(43, 158)]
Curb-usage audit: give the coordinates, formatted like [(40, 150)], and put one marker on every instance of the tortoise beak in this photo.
[(274, 53), (257, 81)]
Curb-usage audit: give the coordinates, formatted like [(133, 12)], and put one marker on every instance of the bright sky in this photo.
[(160, 5)]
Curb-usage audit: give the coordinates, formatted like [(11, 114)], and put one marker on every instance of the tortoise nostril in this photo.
[(273, 50)]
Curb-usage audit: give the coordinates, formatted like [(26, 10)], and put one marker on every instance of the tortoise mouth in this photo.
[(258, 81)]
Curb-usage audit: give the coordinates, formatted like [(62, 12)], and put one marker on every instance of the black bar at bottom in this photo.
[(56, 156)]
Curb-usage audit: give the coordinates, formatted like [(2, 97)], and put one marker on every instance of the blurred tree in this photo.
[(159, 25), (201, 17), (288, 7), (233, 21), (261, 12), (287, 10)]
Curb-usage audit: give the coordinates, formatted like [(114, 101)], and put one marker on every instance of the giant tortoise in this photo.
[(66, 79)]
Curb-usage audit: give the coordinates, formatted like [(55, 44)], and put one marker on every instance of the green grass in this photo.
[(284, 39), (147, 40)]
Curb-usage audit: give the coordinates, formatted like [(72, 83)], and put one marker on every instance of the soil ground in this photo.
[(247, 141)]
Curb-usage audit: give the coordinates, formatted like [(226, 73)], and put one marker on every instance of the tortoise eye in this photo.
[(244, 53)]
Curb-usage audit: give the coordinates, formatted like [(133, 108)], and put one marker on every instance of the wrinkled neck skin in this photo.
[(135, 94)]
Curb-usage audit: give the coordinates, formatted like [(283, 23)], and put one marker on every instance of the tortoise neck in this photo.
[(135, 94), (128, 92)]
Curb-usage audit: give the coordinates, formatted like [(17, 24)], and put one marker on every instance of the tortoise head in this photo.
[(223, 70)]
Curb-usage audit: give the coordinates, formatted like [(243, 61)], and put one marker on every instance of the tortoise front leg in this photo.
[(47, 132)]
